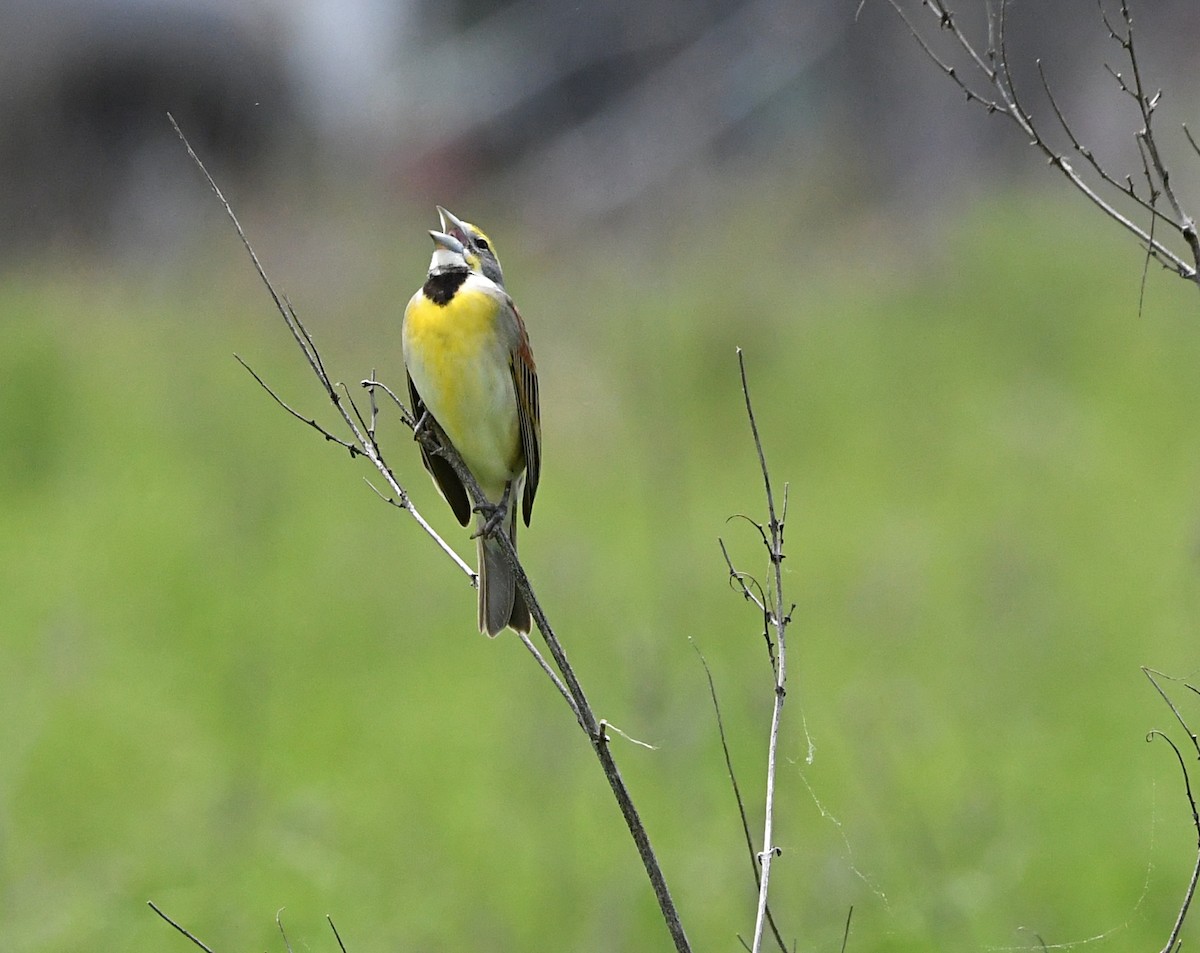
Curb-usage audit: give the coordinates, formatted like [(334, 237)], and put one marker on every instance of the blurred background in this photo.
[(234, 682)]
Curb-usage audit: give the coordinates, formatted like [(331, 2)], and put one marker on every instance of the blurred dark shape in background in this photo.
[(571, 111), (85, 86)]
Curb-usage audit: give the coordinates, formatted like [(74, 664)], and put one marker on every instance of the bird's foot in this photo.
[(493, 514), (421, 424)]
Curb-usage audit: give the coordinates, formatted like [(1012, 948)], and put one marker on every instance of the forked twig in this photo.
[(434, 442), (994, 71), (1173, 942), (364, 442), (775, 621), (1154, 676)]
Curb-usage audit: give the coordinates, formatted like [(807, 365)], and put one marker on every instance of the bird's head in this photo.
[(478, 249)]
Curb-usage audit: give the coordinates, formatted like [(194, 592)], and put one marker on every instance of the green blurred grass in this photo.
[(232, 680)]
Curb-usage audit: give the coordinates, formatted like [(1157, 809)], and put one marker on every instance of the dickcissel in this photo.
[(471, 370), (477, 247)]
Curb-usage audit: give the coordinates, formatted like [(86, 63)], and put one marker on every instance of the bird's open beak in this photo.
[(447, 253), (448, 242), (452, 225)]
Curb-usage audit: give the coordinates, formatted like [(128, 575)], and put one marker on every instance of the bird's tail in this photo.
[(500, 604)]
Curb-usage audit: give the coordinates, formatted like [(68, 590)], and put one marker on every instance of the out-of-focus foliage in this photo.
[(232, 680)]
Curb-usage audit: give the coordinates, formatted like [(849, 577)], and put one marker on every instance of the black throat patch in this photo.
[(440, 288)]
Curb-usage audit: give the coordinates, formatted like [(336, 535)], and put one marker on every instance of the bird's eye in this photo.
[(482, 243)]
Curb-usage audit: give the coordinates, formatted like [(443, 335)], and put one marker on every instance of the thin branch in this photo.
[(737, 793), (1188, 132), (337, 936), (1147, 104), (405, 414), (1173, 942), (738, 578), (364, 440), (374, 407), (995, 71), (354, 451), (778, 620), (404, 503), (1154, 676), (1146, 260), (972, 96), (181, 929), (435, 442), (594, 729), (282, 932), (581, 707), (550, 673), (1127, 189)]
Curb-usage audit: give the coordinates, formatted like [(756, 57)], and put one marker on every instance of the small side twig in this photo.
[(323, 431), (282, 932), (1173, 940), (364, 441), (153, 906), (337, 936)]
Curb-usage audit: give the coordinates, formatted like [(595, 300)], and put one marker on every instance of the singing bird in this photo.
[(477, 247), (471, 370)]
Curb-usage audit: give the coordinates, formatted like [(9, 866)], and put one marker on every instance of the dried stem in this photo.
[(337, 936), (434, 442), (997, 93), (153, 906), (737, 792), (364, 441), (1173, 942), (775, 622)]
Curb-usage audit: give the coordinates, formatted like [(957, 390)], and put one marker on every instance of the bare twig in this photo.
[(997, 93), (550, 673), (598, 737), (337, 936), (333, 438), (737, 792), (1173, 942), (775, 620), (364, 441), (434, 442), (1125, 188), (403, 502), (282, 932), (370, 384), (181, 929), (1191, 140), (1146, 139), (1154, 675), (750, 587)]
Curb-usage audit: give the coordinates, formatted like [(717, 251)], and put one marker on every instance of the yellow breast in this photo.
[(459, 363)]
